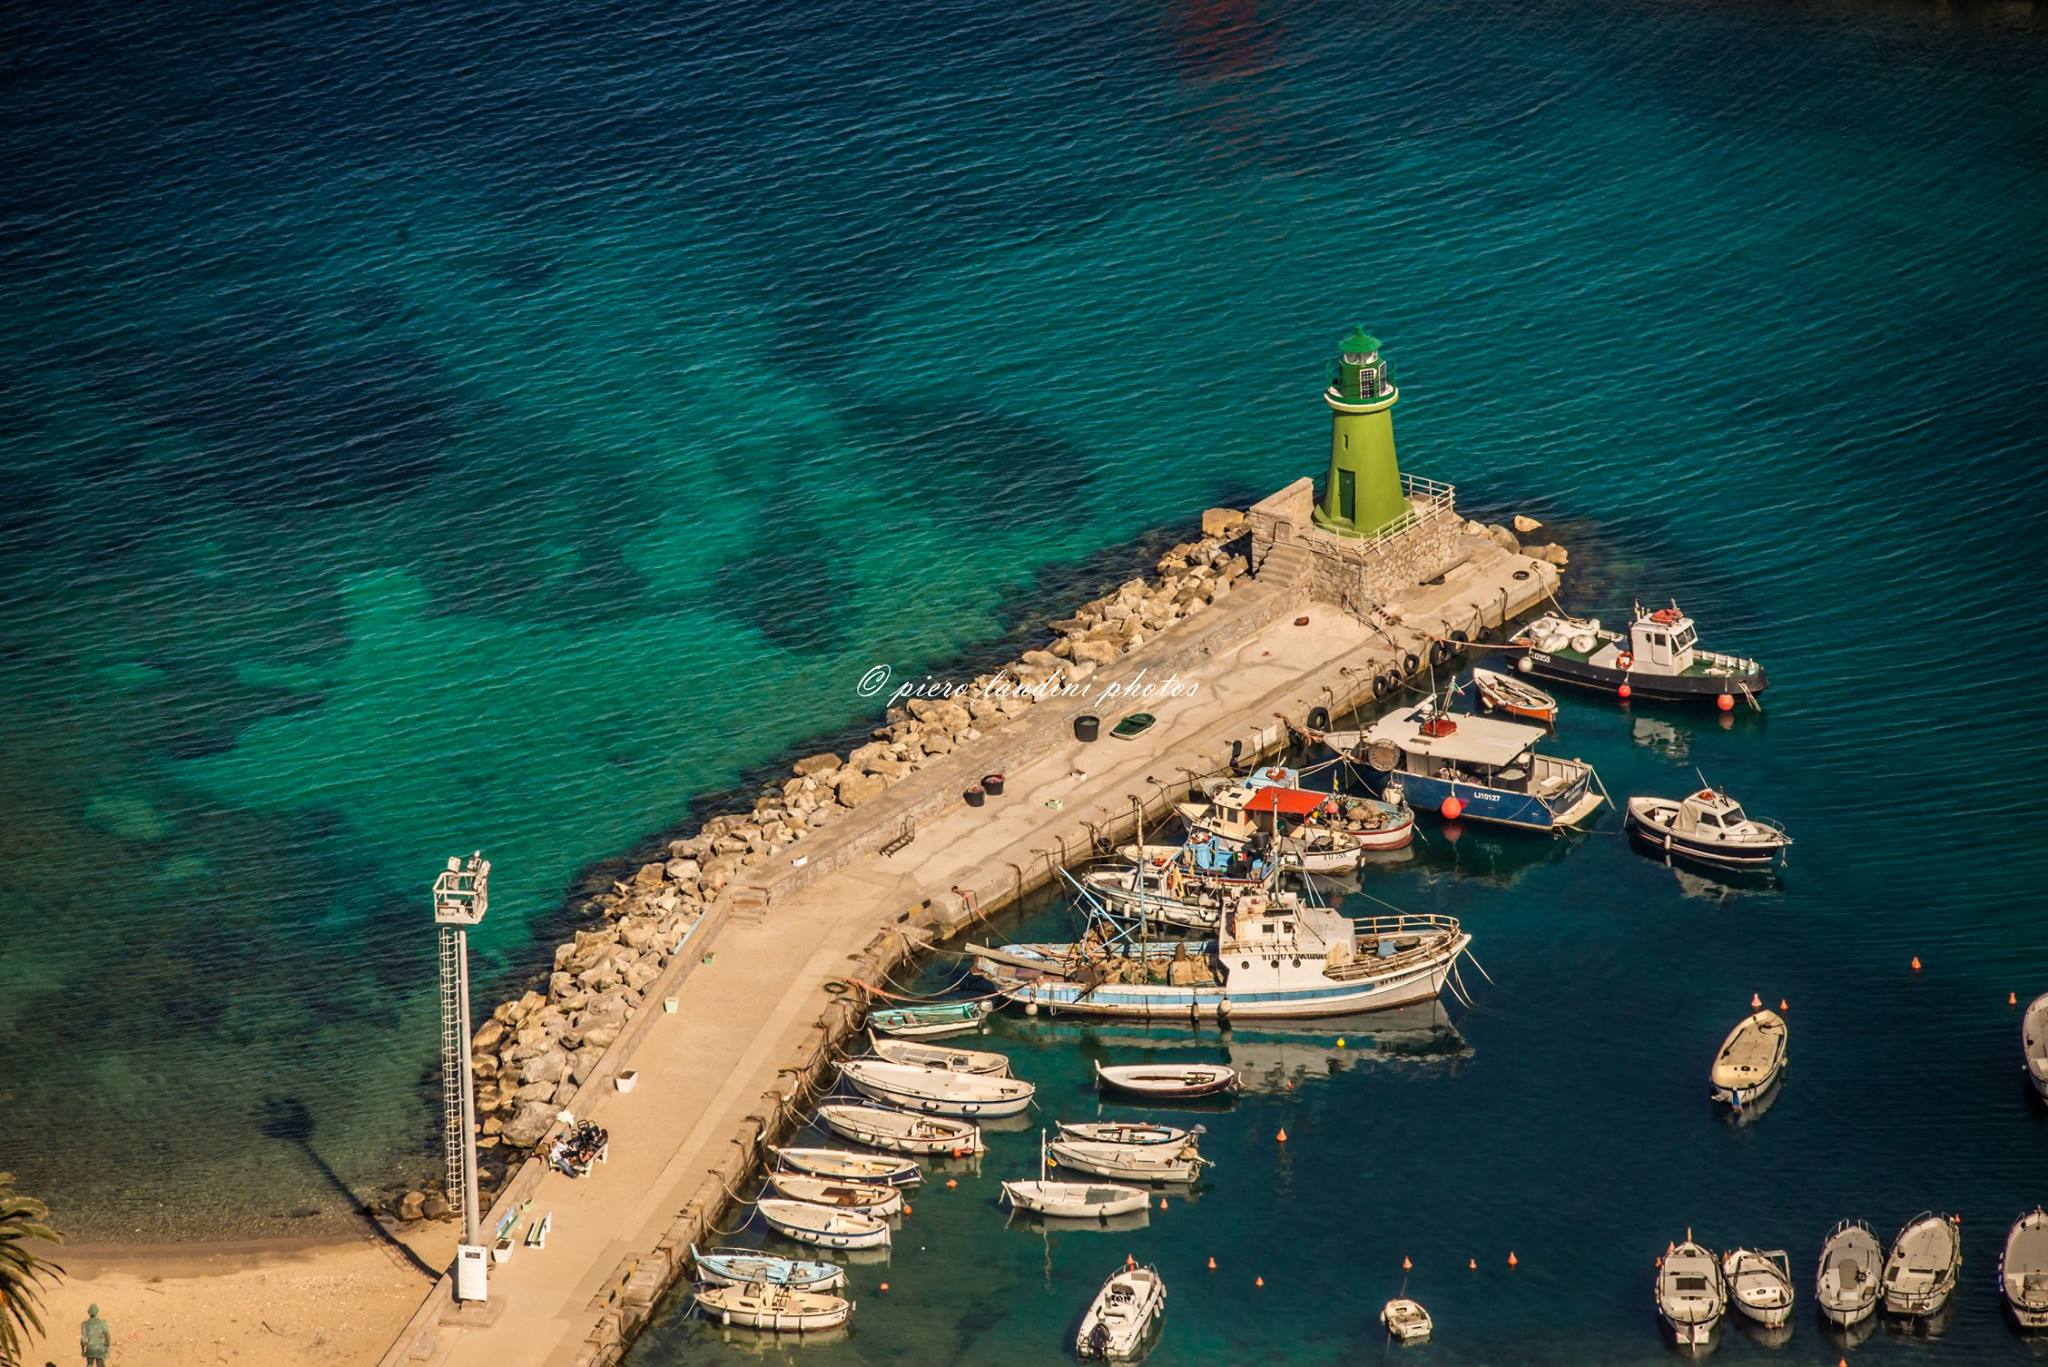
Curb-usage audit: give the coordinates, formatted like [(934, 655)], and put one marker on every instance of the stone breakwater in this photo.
[(537, 1050)]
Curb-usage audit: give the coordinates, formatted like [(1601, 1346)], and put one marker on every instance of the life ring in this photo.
[(1625, 661), (1410, 662), (1380, 686), (1318, 720)]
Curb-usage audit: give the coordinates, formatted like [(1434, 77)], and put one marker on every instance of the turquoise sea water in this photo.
[(508, 427)]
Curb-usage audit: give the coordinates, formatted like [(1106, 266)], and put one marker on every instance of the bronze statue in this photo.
[(95, 1341)]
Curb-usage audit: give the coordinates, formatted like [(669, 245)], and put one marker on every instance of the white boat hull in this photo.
[(1147, 1002), (824, 1226), (1075, 1200), (1131, 1163), (958, 1138), (730, 1309), (929, 1091)]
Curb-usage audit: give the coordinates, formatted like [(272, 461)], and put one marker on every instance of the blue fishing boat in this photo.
[(1478, 768), (738, 1266), (930, 1022)]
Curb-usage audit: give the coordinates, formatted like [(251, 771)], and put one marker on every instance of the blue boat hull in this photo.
[(1426, 794)]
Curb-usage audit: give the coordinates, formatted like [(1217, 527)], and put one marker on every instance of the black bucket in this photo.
[(975, 797), (992, 784), (1087, 726)]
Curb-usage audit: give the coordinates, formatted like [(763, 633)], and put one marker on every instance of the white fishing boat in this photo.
[(930, 1022), (1168, 1081), (1187, 887), (869, 1198), (919, 1055), (2034, 1044), (2023, 1270), (1500, 692), (1376, 825), (1692, 1293), (1750, 1059), (1115, 1327), (1475, 768), (1273, 825), (1920, 1270), (1072, 1200), (1124, 1132), (825, 1226), (1131, 1162), (1658, 659), (738, 1266), (1406, 1320), (1293, 962), (1760, 1284), (852, 1167), (933, 1091), (762, 1305), (1708, 826), (1846, 1283), (901, 1131)]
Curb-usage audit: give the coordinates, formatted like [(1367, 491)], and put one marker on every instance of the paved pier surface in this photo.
[(749, 1017)]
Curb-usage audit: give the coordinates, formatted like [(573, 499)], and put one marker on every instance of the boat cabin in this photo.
[(1662, 642), (1479, 751), (1707, 812), (1268, 809)]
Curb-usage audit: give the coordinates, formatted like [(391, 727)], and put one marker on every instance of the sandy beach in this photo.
[(283, 1301)]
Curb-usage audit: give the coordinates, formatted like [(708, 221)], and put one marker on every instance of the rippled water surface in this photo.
[(499, 426)]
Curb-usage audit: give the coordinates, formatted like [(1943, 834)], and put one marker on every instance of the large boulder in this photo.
[(1095, 652), (861, 788), (528, 1124), (489, 1036), (1525, 524), (810, 766), (547, 1067), (412, 1205), (1551, 555), (1221, 521)]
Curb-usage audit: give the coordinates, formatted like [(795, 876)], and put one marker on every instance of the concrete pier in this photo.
[(1317, 620)]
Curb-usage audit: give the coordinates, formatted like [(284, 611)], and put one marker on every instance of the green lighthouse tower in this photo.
[(1364, 489)]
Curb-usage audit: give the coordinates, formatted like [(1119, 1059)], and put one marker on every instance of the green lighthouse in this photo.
[(1364, 489)]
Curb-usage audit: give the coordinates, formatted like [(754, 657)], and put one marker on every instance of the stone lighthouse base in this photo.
[(1359, 573)]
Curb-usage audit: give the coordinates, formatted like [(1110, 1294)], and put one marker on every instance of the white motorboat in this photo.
[(1073, 1200), (738, 1266), (1760, 1284), (1273, 824), (1116, 1325), (1708, 826), (1474, 768), (1168, 1081), (1750, 1059), (1692, 1293), (1272, 963), (1132, 1162), (1920, 1270), (852, 1167), (901, 1131), (763, 1305), (866, 1197), (1846, 1283), (825, 1226), (2034, 1044), (933, 1091), (2023, 1270), (1406, 1320), (914, 1054), (1124, 1132), (1500, 692)]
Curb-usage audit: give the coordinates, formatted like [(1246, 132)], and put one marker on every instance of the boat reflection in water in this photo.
[(1112, 1224), (1272, 1058), (1742, 1117), (1849, 1338), (1723, 885)]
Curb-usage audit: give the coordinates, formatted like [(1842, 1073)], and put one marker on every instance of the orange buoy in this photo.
[(1756, 1003), (1212, 1262), (1450, 809), (884, 1288), (1726, 702), (951, 1183), (2012, 999), (1916, 963), (1624, 692), (1258, 1281), (1407, 1265), (1513, 1261), (1129, 1262), (906, 1208), (1472, 1264), (1281, 1138), (1162, 1203), (1784, 1005)]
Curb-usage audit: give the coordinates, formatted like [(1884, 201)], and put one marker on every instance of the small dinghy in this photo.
[(1132, 1162), (1168, 1081), (1760, 1284), (2023, 1270), (1119, 1132), (912, 1054), (1115, 1327), (2034, 1044), (738, 1266), (936, 1091), (1072, 1200), (1500, 692), (852, 1167), (762, 1305), (869, 1198), (900, 1131), (930, 1022), (1708, 826), (1406, 1320), (1692, 1294), (825, 1226), (1750, 1059), (1846, 1284), (1920, 1270)]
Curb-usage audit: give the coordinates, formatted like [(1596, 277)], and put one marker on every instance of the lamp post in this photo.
[(461, 893)]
